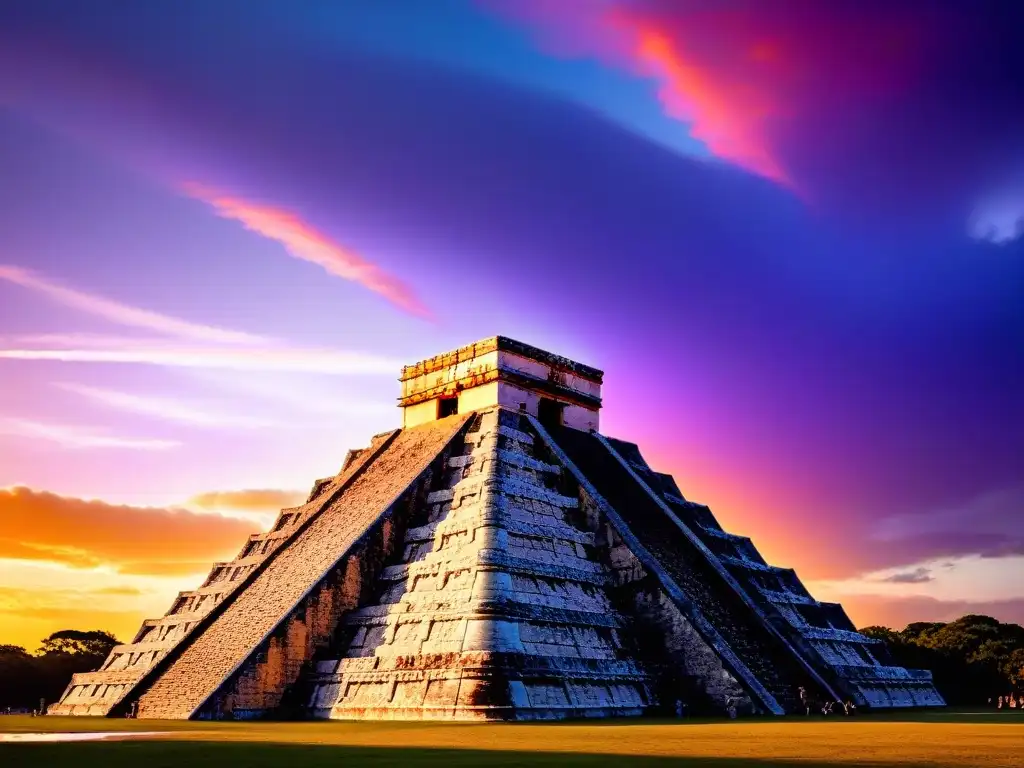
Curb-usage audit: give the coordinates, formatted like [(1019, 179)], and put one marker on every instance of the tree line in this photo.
[(27, 678), (974, 659)]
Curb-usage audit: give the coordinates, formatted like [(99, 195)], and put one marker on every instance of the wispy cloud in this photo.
[(1000, 219), (303, 241), (750, 79), (969, 577), (165, 408), (88, 348), (191, 345), (986, 524), (916, 576), (304, 395), (71, 436), (124, 314)]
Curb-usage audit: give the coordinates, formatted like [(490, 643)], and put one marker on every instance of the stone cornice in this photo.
[(499, 373), (502, 343)]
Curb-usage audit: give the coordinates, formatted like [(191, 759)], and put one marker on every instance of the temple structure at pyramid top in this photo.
[(496, 558), (500, 371)]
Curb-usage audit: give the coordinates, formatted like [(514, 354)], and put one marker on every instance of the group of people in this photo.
[(38, 712), (809, 704), (1010, 701)]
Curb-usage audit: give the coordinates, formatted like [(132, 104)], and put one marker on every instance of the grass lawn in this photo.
[(917, 740)]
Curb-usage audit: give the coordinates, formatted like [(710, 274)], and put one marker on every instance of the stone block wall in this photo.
[(246, 627), (480, 568), (496, 607), (854, 664), (110, 687), (684, 666)]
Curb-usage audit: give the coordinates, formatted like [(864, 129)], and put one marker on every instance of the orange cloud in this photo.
[(27, 615), (41, 526), (303, 241), (250, 500)]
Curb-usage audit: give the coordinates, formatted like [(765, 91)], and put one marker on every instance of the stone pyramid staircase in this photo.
[(497, 606), (496, 558), (721, 611), (249, 649)]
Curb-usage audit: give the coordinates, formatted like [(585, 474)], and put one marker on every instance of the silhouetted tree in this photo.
[(972, 659), (1013, 668), (76, 643), (26, 678), (19, 677)]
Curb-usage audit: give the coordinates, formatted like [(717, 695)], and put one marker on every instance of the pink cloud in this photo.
[(729, 115), (301, 240), (748, 79)]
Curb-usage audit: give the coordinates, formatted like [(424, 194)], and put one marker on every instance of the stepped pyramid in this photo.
[(497, 558)]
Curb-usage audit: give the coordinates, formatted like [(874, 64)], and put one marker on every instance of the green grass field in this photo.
[(929, 740)]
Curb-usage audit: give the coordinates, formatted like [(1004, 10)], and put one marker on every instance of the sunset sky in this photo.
[(792, 234)]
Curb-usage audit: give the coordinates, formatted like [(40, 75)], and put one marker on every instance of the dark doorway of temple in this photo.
[(447, 406), (549, 412)]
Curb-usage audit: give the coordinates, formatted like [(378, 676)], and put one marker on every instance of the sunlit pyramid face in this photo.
[(496, 558)]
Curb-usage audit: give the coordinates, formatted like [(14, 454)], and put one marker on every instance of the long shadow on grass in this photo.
[(170, 754)]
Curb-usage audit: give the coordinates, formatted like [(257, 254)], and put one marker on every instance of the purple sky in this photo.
[(791, 236)]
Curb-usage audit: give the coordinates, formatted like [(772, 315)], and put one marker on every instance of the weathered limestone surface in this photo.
[(497, 608), (855, 666), (97, 693), (207, 661), (754, 653), (506, 563), (500, 371)]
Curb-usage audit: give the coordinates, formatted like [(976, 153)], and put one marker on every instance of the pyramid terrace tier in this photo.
[(858, 667), (486, 566), (100, 692), (703, 590), (478, 685), (97, 693), (497, 609)]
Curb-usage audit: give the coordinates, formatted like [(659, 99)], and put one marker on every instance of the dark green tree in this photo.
[(74, 642), (27, 678), (973, 659), (1013, 668), (19, 677)]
